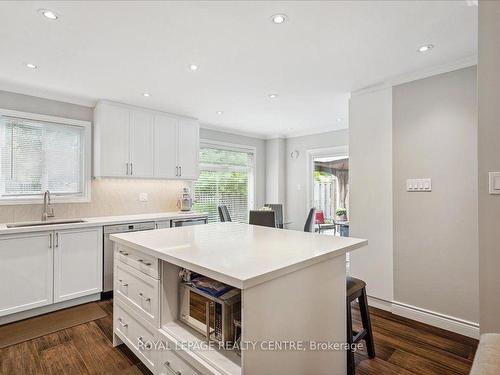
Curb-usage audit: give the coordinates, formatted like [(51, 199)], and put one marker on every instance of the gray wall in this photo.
[(297, 179), (260, 167), (435, 233), (276, 170), (489, 160)]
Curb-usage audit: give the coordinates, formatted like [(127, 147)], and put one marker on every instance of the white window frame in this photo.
[(236, 147), (83, 197)]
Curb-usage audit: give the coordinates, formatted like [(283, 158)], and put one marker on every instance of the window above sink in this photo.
[(39, 153)]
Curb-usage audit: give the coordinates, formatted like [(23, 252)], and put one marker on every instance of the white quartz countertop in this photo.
[(102, 220), (240, 255)]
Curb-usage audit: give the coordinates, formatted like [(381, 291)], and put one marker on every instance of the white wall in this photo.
[(297, 178), (370, 183)]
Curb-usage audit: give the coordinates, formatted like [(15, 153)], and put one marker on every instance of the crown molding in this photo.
[(19, 88), (419, 74)]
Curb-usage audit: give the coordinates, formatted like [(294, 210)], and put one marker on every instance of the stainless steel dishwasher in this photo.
[(107, 274)]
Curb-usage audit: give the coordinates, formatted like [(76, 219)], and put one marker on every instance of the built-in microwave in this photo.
[(216, 318)]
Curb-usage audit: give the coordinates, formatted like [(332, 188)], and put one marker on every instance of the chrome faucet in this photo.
[(48, 210)]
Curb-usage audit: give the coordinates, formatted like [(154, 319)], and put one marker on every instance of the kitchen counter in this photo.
[(101, 221), (240, 255)]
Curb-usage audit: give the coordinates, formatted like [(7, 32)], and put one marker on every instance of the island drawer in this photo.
[(138, 260), (135, 333), (169, 363), (139, 291)]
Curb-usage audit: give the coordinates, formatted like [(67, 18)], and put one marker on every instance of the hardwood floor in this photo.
[(402, 346)]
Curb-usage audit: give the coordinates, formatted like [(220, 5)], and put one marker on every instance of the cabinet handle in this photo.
[(144, 262), (170, 369), (50, 240), (123, 252), (147, 299), (127, 169), (131, 169), (120, 320), (57, 239), (180, 170), (176, 170), (123, 284)]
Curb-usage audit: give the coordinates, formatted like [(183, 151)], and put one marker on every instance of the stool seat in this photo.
[(353, 286)]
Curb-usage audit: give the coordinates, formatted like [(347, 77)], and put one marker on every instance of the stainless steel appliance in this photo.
[(185, 202), (211, 316), (188, 222), (107, 274)]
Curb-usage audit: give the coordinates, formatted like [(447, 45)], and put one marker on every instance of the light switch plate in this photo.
[(494, 183), (419, 184)]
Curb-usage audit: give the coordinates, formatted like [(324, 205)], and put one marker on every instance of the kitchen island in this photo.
[(292, 288)]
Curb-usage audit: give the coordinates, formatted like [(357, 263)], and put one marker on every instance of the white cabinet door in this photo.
[(141, 144), (111, 141), (26, 271), (189, 149), (165, 147), (77, 263)]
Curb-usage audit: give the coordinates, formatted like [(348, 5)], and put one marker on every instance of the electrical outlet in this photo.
[(143, 197)]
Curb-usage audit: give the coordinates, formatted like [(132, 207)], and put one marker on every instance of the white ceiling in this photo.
[(117, 50)]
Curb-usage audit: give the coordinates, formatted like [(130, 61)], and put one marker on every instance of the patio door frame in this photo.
[(336, 151)]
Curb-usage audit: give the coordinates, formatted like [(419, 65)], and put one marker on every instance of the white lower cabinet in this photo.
[(26, 271), (77, 263), (43, 268), (169, 363)]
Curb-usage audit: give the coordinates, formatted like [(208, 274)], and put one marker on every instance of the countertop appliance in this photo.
[(185, 202), (107, 274)]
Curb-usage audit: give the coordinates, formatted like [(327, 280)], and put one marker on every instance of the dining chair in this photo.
[(278, 209), (262, 218), (320, 221), (224, 214), (309, 226)]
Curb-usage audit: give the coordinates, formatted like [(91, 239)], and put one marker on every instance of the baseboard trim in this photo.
[(49, 308), (449, 323)]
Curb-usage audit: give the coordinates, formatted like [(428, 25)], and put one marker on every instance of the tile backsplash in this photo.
[(109, 197)]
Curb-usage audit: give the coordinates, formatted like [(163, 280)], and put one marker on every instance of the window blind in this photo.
[(36, 156), (226, 178)]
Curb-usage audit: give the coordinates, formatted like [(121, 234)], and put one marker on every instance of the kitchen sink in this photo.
[(38, 223)]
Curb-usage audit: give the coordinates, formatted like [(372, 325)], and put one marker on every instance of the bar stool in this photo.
[(356, 290)]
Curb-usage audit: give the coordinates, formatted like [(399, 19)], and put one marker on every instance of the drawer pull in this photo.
[(123, 284), (120, 320), (167, 365), (147, 299), (123, 252), (144, 262)]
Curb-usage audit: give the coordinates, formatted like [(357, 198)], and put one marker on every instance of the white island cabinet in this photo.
[(292, 288)]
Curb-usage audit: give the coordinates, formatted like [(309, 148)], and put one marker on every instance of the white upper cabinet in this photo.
[(188, 149), (165, 147), (134, 143), (111, 140), (141, 144)]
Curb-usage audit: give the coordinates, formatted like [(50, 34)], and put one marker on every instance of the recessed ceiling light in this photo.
[(220, 112), (425, 48), (31, 66), (279, 18), (273, 96), (146, 94), (193, 67), (47, 13)]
